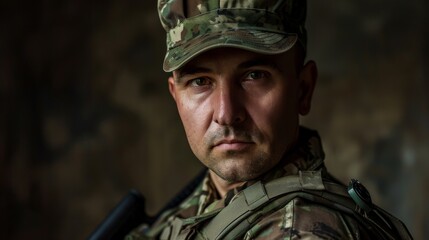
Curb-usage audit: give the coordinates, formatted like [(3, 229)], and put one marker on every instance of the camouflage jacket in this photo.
[(297, 219)]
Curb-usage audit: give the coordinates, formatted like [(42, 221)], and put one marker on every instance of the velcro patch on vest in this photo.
[(311, 180)]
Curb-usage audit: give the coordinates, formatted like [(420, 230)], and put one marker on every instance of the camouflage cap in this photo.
[(263, 26)]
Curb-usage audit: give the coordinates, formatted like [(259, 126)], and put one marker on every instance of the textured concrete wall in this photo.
[(85, 112)]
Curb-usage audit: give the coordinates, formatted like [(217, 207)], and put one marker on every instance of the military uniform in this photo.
[(297, 218), (298, 198)]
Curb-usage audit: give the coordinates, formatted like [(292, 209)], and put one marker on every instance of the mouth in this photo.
[(232, 144)]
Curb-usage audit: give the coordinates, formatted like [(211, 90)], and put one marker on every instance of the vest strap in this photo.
[(234, 220), (256, 195)]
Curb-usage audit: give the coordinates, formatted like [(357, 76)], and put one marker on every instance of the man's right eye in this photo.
[(198, 82)]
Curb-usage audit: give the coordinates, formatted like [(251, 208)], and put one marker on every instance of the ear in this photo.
[(307, 79), (172, 87)]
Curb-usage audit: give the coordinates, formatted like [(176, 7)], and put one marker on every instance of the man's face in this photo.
[(240, 109)]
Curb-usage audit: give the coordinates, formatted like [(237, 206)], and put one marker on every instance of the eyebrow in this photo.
[(263, 61), (191, 70)]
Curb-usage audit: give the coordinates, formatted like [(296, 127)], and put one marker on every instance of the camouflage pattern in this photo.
[(263, 26), (298, 219)]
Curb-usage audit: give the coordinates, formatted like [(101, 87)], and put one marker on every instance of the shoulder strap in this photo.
[(255, 196), (233, 220)]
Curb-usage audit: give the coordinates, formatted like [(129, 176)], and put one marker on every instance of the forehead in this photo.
[(237, 58)]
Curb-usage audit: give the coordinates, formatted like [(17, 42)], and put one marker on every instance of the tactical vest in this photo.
[(233, 221)]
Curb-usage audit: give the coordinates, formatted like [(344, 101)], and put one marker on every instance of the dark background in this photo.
[(85, 112)]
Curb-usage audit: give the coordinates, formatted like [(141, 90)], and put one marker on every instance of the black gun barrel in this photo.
[(127, 215), (130, 212)]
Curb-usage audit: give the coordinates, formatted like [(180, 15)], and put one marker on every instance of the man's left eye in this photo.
[(256, 75)]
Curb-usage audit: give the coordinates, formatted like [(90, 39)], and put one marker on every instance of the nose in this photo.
[(229, 105)]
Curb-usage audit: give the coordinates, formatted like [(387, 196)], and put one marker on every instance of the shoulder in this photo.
[(304, 219)]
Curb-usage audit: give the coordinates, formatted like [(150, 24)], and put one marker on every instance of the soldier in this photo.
[(240, 82)]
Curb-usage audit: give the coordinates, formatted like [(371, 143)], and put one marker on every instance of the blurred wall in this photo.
[(85, 112)]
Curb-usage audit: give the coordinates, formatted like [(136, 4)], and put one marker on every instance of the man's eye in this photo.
[(256, 75), (198, 82)]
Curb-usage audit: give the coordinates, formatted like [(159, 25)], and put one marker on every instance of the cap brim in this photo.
[(252, 40)]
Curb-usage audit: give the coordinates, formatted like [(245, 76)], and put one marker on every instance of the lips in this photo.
[(232, 144)]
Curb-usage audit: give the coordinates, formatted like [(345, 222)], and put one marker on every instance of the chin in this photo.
[(235, 171)]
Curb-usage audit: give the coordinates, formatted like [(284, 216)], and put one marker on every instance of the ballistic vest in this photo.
[(234, 220)]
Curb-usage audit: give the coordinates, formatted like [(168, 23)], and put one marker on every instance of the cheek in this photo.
[(276, 114), (194, 118)]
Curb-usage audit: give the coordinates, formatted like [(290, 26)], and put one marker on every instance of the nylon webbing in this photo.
[(233, 220), (256, 195)]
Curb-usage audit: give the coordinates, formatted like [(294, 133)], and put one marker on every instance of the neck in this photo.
[(221, 185)]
